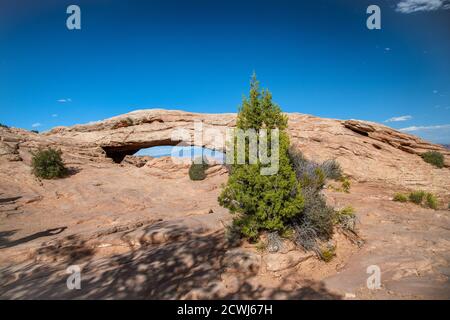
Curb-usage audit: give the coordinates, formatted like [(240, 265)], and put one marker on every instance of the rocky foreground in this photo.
[(139, 228)]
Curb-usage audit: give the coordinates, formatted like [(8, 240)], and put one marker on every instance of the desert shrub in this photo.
[(127, 122), (431, 201), (345, 184), (327, 252), (3, 126), (262, 202), (332, 169), (448, 207), (306, 237), (197, 170), (301, 165), (314, 180), (274, 242), (347, 211), (346, 218), (400, 197), (317, 220), (433, 157), (261, 246), (48, 164), (288, 233), (35, 131), (310, 173), (318, 215), (416, 196)]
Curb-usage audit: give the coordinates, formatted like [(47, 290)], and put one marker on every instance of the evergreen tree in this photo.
[(262, 202), (48, 164), (197, 170)]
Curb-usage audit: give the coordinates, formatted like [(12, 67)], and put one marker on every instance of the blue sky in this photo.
[(316, 57), (182, 152)]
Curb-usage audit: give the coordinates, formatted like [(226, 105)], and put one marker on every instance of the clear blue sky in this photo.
[(316, 57)]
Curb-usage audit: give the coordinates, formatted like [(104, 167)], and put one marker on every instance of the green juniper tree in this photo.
[(197, 170), (48, 164), (262, 202)]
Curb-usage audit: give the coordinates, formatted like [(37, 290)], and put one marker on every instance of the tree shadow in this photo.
[(71, 171), (70, 249), (184, 269), (4, 235), (10, 199), (5, 243)]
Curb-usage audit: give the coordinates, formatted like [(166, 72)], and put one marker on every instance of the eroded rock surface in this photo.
[(367, 151), (143, 229)]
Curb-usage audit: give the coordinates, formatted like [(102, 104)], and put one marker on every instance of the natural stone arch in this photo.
[(118, 152)]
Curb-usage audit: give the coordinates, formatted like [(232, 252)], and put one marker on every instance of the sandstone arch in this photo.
[(367, 151), (119, 152)]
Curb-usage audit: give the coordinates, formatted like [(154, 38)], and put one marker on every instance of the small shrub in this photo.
[(332, 169), (35, 131), (127, 122), (48, 164), (346, 184), (288, 233), (416, 196), (400, 197), (347, 211), (306, 237), (310, 173), (431, 201), (346, 218), (328, 252), (318, 215), (197, 169), (433, 157), (314, 180), (3, 126), (274, 242), (261, 246), (317, 220), (448, 207)]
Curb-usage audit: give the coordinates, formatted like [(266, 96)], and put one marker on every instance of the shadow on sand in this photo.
[(189, 268), (5, 243)]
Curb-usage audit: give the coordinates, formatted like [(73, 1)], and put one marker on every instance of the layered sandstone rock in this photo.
[(367, 151), (145, 226)]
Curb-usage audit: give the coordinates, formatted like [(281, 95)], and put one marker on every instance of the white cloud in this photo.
[(64, 100), (94, 122), (436, 134), (397, 119), (425, 128), (35, 125), (54, 115), (435, 91), (410, 6)]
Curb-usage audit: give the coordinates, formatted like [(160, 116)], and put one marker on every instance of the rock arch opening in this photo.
[(191, 152), (118, 153)]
